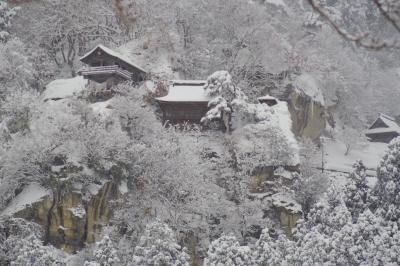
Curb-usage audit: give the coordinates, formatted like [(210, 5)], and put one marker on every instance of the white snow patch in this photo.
[(266, 97), (102, 109), (31, 194), (284, 173), (282, 119), (123, 187), (371, 153), (63, 88), (278, 3), (148, 86), (308, 85), (94, 189), (286, 201), (78, 211), (266, 118), (57, 169)]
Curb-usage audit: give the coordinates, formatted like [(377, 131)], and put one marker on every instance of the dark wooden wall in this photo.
[(183, 111), (382, 137)]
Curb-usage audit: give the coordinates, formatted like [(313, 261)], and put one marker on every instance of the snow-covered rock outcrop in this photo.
[(72, 220), (307, 107)]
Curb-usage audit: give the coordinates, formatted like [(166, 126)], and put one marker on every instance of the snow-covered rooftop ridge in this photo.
[(392, 126), (308, 85), (113, 53), (266, 97), (387, 118), (382, 130), (186, 91), (187, 82)]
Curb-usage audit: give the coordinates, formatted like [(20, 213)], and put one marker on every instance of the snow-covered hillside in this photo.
[(113, 153)]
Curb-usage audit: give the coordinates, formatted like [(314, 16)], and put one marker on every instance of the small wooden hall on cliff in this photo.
[(384, 129), (104, 64), (186, 101)]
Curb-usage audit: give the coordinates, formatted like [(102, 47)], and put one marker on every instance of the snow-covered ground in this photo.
[(63, 88), (102, 109), (370, 154)]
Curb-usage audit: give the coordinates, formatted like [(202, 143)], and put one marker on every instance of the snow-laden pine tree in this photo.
[(367, 242), (105, 253), (386, 194), (222, 88), (269, 251), (356, 191), (158, 247), (311, 248), (227, 251), (31, 252), (6, 15), (328, 215)]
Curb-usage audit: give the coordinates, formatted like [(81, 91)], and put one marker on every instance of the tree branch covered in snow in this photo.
[(363, 40)]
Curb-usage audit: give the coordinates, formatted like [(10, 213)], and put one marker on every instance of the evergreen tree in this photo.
[(269, 251), (158, 247), (6, 15), (312, 248), (386, 194), (328, 215), (222, 88), (227, 251), (356, 191), (105, 254), (31, 252)]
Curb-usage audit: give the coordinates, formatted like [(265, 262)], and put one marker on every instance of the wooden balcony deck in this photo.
[(104, 71)]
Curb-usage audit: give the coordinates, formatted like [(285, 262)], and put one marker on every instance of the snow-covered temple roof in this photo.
[(186, 91), (390, 122), (113, 54)]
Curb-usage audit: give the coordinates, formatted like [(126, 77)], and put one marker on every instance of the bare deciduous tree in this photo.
[(389, 10)]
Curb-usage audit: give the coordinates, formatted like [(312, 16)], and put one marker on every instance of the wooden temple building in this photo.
[(186, 101), (384, 129), (106, 65)]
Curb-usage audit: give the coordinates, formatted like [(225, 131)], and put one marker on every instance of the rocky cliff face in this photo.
[(71, 220), (308, 116), (268, 184)]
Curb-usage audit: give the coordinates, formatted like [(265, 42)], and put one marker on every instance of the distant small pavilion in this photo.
[(268, 99), (384, 129), (104, 64), (186, 101)]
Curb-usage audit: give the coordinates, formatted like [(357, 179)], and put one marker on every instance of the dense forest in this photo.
[(294, 158)]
